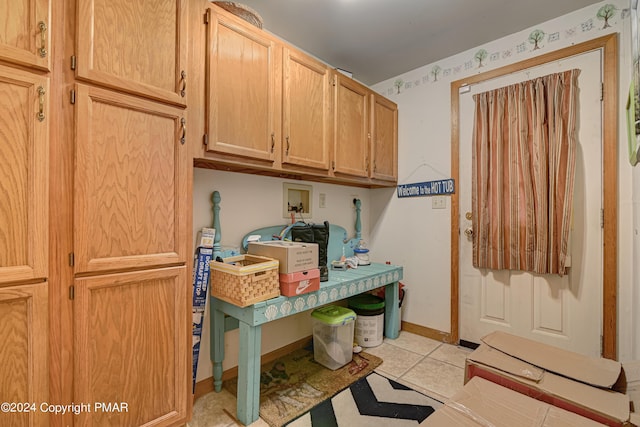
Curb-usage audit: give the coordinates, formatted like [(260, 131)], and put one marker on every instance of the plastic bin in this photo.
[(333, 335), (369, 326)]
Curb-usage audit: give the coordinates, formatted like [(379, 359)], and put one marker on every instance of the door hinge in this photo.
[(72, 292), (72, 259), (72, 97), (205, 140), (73, 62)]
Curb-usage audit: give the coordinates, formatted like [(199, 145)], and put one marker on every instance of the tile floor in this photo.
[(429, 366)]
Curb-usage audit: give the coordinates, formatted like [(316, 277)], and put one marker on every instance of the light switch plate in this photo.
[(438, 202)]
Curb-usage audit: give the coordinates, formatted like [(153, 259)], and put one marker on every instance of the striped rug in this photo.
[(371, 401)]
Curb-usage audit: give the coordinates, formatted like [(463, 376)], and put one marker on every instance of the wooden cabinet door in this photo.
[(132, 347), (351, 127), (130, 182), (241, 89), (306, 111), (24, 354), (25, 32), (24, 175), (384, 139), (135, 46)]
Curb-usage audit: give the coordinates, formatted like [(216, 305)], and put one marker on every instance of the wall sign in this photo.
[(429, 188)]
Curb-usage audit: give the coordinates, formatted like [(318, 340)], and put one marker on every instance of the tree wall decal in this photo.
[(535, 38), (435, 71), (480, 56), (605, 13)]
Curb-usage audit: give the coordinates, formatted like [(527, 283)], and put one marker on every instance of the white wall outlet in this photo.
[(322, 202), (438, 202)]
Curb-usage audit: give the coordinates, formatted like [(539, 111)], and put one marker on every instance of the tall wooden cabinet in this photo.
[(25, 35), (131, 325), (24, 211)]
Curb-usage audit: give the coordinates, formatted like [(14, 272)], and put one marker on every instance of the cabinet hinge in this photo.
[(205, 140), (73, 62), (601, 218), (601, 91), (72, 98), (72, 259), (333, 80), (72, 292), (206, 16)]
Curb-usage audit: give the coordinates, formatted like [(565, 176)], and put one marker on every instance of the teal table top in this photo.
[(341, 285)]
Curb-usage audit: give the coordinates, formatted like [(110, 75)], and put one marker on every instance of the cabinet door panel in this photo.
[(132, 346), (351, 127), (24, 146), (24, 366), (384, 139), (130, 182), (136, 46), (25, 32), (306, 111), (241, 92)]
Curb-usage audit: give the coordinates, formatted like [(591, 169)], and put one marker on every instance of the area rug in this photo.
[(295, 383), (371, 401)]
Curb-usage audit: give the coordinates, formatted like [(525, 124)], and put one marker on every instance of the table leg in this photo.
[(249, 373), (217, 344), (391, 302)]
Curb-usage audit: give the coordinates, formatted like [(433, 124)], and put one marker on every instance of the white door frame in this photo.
[(609, 46)]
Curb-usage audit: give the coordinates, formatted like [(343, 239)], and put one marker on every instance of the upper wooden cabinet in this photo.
[(272, 109), (24, 331), (306, 111), (241, 100), (135, 46), (351, 127), (25, 34), (384, 139), (130, 182), (24, 175)]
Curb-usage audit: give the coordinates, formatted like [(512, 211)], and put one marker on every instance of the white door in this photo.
[(563, 311)]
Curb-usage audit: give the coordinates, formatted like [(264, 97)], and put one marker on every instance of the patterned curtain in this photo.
[(524, 155)]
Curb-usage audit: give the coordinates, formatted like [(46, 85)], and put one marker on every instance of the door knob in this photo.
[(468, 216)]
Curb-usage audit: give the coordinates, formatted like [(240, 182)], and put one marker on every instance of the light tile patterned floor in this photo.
[(426, 365)]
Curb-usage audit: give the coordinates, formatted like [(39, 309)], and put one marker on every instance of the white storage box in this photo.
[(292, 256), (333, 335)]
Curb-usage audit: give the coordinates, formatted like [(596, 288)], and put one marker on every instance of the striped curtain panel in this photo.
[(524, 155)]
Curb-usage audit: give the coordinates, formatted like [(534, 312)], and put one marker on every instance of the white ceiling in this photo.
[(380, 39)]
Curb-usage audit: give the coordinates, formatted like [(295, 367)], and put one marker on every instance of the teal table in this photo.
[(341, 285)]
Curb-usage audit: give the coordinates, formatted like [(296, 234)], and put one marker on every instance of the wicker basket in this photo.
[(242, 11), (244, 280)]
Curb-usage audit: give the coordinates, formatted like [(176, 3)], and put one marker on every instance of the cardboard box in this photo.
[(300, 282), (205, 238), (483, 403), (293, 256), (567, 380)]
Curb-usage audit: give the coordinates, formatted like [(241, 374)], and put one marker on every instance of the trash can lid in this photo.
[(334, 315), (366, 302)]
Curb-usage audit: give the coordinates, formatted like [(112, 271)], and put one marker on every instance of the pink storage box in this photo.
[(300, 282)]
